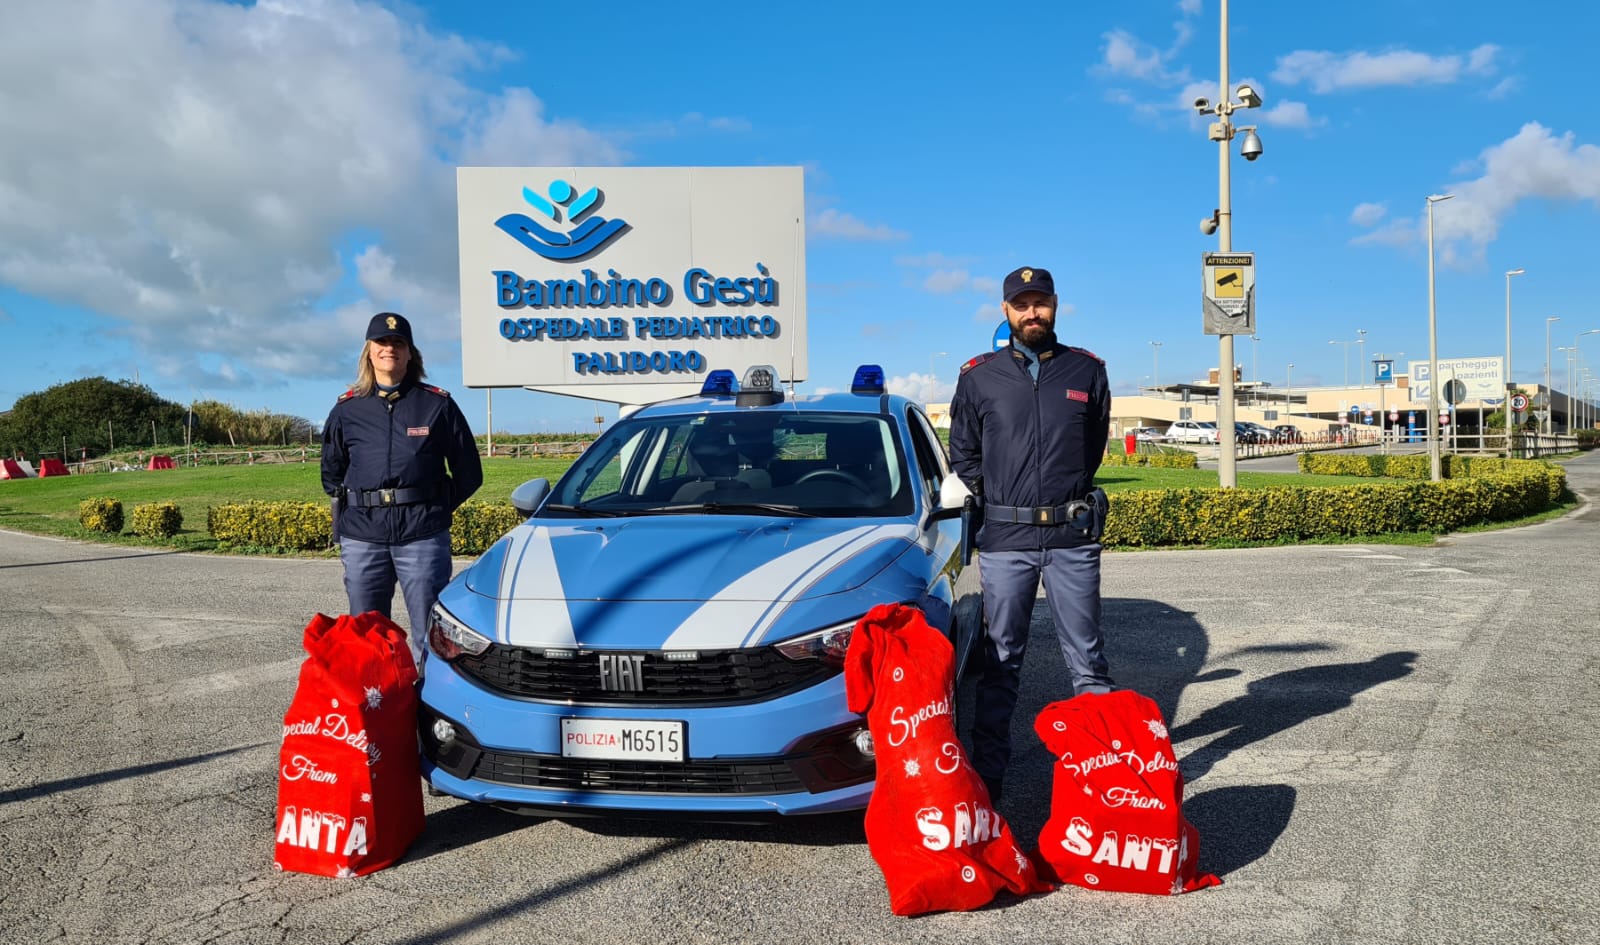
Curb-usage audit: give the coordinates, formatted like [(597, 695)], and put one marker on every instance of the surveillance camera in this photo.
[(1208, 226), (1202, 105), (1251, 146), (1249, 96)]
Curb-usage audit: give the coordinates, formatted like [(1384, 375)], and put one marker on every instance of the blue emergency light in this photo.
[(868, 380), (719, 383)]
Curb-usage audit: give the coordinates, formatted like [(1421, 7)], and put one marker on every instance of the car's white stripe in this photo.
[(748, 607), (543, 620)]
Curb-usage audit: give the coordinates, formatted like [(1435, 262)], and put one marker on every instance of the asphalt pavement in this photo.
[(1382, 743)]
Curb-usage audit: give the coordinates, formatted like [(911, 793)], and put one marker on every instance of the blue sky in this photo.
[(214, 197)]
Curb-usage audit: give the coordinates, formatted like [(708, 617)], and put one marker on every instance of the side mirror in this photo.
[(527, 497)]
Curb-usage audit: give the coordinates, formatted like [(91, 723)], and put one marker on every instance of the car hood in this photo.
[(699, 571)]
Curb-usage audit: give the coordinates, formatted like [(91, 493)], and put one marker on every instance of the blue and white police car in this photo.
[(665, 632)]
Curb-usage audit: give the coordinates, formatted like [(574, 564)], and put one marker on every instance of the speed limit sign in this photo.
[(1519, 402)]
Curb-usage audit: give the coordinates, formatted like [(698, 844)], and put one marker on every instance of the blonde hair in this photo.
[(367, 381)]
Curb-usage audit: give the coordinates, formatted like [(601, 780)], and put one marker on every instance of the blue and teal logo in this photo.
[(589, 234)]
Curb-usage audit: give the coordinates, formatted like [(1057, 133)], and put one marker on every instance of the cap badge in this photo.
[(1027, 275), (389, 321)]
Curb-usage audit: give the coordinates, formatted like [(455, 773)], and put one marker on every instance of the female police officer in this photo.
[(397, 457)]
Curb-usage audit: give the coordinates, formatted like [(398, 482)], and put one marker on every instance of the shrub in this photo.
[(477, 525), (295, 526), (1174, 459), (101, 514), (157, 519)]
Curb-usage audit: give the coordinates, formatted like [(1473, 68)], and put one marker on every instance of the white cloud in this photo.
[(233, 152), (1504, 88), (947, 281), (1333, 72), (833, 224), (1533, 164), (1289, 114), (1189, 7), (922, 388), (1368, 214), (1126, 55)]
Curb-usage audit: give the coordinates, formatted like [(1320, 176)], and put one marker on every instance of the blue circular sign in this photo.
[(1002, 335)]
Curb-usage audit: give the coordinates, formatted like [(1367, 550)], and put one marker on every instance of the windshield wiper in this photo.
[(730, 508), (584, 510)]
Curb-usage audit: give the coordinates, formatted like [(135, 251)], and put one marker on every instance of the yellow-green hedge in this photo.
[(308, 526), (101, 514), (157, 519), (1177, 459), (292, 526), (1491, 491), (477, 525)]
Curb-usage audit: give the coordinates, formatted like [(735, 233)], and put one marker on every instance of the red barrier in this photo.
[(161, 462), (1130, 443), (52, 467), (10, 469)]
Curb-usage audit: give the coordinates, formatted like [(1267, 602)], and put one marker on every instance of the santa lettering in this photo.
[(971, 823), (312, 829), (1130, 797), (1131, 852)]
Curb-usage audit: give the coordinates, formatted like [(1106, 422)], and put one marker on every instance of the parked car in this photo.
[(1261, 432), (1287, 433), (1244, 433), (1148, 434), (666, 630), (1193, 431)]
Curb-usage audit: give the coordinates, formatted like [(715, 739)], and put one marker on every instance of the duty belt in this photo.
[(410, 495), (1073, 513)]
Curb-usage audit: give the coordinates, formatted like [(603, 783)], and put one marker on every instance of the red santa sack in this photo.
[(1116, 810), (349, 789), (930, 825)]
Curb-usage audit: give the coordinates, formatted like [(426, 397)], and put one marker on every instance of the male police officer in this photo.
[(385, 452), (1028, 427)]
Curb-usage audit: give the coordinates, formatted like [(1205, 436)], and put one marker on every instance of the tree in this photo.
[(92, 415)]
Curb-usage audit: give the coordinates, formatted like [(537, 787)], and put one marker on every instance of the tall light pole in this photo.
[(1288, 390), (1347, 345), (1510, 385), (1436, 465), (1566, 395), (1549, 400), (1577, 366), (1255, 366), (1155, 376), (1222, 131), (932, 377)]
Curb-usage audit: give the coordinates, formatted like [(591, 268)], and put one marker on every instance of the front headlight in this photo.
[(450, 639), (828, 645)]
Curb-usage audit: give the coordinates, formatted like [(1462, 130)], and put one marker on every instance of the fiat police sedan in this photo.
[(665, 632)]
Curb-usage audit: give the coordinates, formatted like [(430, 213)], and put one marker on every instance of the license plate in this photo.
[(622, 739)]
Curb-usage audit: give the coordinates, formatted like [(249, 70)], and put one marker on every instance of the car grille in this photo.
[(717, 677), (587, 774)]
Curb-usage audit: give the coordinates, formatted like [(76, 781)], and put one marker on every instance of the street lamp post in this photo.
[(1361, 355), (1221, 223), (933, 379), (1255, 366), (1566, 395), (1155, 375), (1288, 390), (1549, 400), (1510, 385), (1436, 465), (1347, 345), (1577, 366)]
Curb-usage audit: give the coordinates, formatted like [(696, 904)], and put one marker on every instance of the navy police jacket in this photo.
[(1027, 444), (402, 463)]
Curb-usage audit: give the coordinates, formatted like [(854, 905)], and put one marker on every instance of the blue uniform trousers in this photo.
[(1010, 582), (422, 567)]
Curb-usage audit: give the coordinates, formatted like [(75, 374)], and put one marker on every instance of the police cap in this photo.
[(388, 324), (1028, 279)]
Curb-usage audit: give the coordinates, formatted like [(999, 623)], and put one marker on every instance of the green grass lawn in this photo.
[(50, 506)]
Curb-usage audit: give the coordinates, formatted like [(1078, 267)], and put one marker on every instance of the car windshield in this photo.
[(786, 463)]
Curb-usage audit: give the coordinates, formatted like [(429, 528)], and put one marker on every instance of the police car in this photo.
[(665, 631)]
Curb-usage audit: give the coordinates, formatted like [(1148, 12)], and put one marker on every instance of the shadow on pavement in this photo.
[(1281, 701), (1239, 825), (117, 774)]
